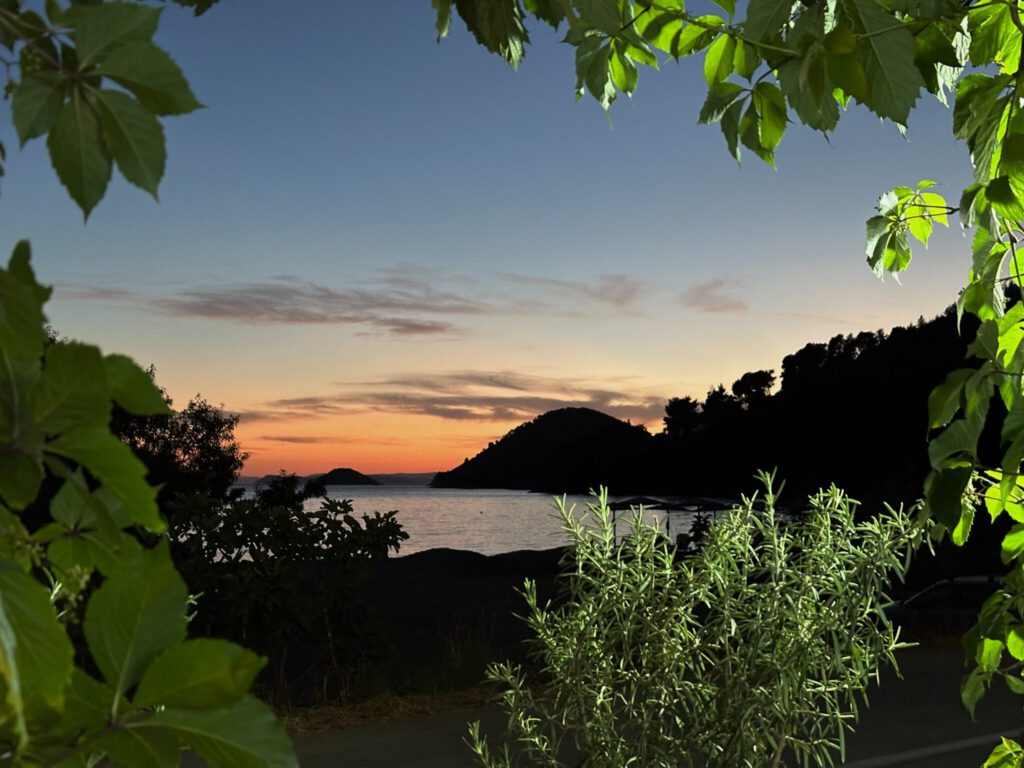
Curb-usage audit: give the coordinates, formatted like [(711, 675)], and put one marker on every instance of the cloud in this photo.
[(307, 440), (407, 302), (618, 291), (713, 297), (492, 396)]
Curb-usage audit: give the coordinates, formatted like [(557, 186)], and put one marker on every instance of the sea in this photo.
[(488, 521)]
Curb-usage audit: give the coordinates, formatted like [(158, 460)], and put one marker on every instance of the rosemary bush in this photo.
[(753, 652)]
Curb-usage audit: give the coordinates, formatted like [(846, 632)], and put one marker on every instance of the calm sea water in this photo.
[(489, 521)]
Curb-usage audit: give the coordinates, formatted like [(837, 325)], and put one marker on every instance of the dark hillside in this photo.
[(570, 450)]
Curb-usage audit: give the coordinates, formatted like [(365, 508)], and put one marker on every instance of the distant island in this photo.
[(345, 476)]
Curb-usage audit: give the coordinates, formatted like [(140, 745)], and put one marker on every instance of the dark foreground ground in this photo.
[(912, 723), (438, 617)]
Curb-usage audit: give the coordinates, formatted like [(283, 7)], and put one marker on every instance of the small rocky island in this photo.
[(345, 476)]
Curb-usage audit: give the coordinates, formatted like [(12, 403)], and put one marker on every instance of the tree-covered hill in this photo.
[(852, 411), (563, 451)]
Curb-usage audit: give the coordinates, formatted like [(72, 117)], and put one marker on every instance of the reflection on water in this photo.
[(489, 521)]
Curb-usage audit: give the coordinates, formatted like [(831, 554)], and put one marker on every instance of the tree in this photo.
[(134, 691), (753, 388), (192, 451), (682, 414), (808, 62)]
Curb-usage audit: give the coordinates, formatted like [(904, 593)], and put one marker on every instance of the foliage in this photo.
[(145, 692), (749, 653), (188, 452), (134, 691), (283, 579), (807, 61)]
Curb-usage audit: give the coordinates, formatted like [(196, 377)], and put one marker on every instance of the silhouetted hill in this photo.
[(570, 450), (345, 476)]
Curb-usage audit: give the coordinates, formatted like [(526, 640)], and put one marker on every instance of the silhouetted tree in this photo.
[(682, 415), (192, 452), (753, 388)]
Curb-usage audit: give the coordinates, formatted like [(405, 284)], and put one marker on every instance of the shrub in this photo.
[(752, 651)]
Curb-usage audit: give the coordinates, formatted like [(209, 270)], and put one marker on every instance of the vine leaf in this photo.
[(77, 153), (887, 53), (136, 614)]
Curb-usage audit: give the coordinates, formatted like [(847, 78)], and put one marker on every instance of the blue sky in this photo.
[(385, 252)]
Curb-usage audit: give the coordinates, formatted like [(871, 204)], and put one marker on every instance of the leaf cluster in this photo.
[(143, 692), (89, 77), (752, 652)]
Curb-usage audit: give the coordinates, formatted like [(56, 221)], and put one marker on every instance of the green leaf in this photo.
[(821, 114), (994, 37), (718, 61), (979, 117), (136, 614), (730, 128), (771, 106), (21, 309), (87, 704), (135, 138), (443, 20), (550, 11), (21, 475), (72, 390), (960, 437), (133, 389), (113, 464), (847, 72), (729, 6), (93, 549), (623, 72), (943, 491), (962, 530), (1013, 544), (497, 25), (77, 153), (720, 97), (697, 37), (765, 19), (592, 57), (138, 748), (602, 15), (36, 103), (887, 55), (944, 400), (152, 76), (42, 654), (1015, 642), (245, 735), (662, 31), (102, 28), (199, 674), (1003, 199), (973, 688)]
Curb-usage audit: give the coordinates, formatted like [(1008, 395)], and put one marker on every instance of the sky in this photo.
[(383, 252)]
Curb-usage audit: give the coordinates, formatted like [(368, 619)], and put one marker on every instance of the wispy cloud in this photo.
[(499, 396), (713, 296), (404, 303), (618, 292), (310, 440)]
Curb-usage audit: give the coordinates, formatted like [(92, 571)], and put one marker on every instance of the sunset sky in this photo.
[(383, 252)]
